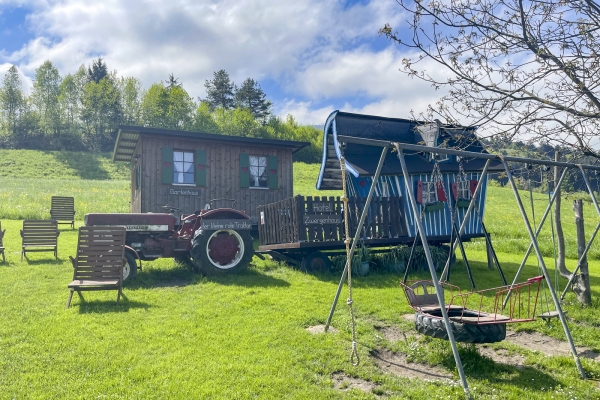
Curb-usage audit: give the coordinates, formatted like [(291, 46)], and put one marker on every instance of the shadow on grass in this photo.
[(184, 275), (52, 261), (477, 366), (86, 165), (108, 306), (248, 278)]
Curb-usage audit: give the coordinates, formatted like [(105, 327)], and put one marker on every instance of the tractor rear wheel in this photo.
[(222, 251)]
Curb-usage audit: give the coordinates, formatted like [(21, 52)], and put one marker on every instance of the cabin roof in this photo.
[(362, 160), (128, 137)]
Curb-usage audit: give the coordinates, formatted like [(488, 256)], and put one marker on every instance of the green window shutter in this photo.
[(244, 170), (167, 165), (200, 167), (273, 172)]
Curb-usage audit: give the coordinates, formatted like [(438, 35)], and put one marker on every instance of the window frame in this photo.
[(429, 193), (192, 172), (264, 175)]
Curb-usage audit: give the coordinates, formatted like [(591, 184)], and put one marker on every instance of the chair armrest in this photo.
[(73, 261)]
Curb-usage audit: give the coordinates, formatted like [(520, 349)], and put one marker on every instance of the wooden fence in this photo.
[(315, 219)]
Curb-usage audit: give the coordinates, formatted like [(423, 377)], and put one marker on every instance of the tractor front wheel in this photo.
[(129, 267), (222, 251)]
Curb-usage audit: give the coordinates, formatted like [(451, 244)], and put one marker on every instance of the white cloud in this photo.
[(312, 50)]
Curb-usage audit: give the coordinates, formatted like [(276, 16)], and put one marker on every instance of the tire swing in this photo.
[(472, 319)]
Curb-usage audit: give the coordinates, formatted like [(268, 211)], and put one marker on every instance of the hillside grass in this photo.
[(178, 334)]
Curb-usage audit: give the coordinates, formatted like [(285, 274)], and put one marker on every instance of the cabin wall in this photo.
[(436, 223), (222, 176), (136, 181)]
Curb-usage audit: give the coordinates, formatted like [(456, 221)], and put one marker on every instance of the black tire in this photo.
[(239, 259), (316, 262), (464, 333), (129, 267)]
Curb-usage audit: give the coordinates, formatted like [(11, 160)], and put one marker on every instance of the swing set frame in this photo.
[(533, 235)]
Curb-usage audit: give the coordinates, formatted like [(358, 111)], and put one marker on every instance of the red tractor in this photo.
[(216, 240)]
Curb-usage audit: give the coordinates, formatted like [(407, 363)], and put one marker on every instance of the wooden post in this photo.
[(581, 282)]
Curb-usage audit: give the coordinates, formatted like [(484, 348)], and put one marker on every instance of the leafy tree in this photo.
[(131, 99), (518, 67), (237, 122), (71, 91), (220, 91), (101, 113), (252, 97), (203, 120), (45, 97), (97, 71), (12, 102), (167, 107)]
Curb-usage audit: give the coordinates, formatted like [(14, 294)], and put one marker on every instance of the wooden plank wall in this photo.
[(284, 220), (222, 175), (136, 193)]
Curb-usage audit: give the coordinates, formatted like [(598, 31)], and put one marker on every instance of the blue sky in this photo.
[(310, 56)]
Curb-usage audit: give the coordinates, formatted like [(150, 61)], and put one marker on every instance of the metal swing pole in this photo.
[(589, 244), (534, 243), (438, 289), (463, 224), (537, 232), (363, 216)]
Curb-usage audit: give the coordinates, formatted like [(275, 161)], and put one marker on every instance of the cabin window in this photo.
[(183, 167), (258, 172)]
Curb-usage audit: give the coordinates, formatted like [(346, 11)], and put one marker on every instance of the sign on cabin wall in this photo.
[(182, 191), (315, 219)]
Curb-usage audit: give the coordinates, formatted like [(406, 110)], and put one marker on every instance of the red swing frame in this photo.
[(469, 307)]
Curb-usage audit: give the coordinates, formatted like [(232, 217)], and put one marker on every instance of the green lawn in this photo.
[(180, 335)]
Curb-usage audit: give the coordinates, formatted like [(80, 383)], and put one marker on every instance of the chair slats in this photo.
[(99, 261), (62, 209), (39, 235)]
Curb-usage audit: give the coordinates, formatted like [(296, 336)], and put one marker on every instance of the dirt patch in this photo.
[(409, 317), (535, 341), (344, 382), (395, 363), (320, 329), (393, 334), (502, 356)]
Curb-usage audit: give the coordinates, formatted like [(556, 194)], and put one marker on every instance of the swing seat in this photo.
[(549, 315)]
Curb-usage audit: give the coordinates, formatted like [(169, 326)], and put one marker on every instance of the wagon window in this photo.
[(464, 190), (429, 193), (183, 167), (258, 172)]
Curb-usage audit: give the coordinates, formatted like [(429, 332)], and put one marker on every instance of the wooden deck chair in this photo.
[(98, 264), (63, 209), (1, 244), (39, 236)]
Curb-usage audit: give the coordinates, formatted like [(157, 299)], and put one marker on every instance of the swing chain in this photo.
[(354, 358)]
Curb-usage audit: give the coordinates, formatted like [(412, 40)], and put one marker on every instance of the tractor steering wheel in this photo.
[(172, 209)]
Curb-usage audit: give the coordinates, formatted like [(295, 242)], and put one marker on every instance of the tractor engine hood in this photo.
[(151, 222)]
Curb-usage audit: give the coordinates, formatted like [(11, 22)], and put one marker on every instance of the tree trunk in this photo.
[(581, 282), (560, 236)]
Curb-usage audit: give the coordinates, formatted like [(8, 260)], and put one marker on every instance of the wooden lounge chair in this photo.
[(2, 245), (39, 236), (99, 261), (63, 209)]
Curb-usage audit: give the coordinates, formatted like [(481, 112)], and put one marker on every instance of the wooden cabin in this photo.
[(187, 170)]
